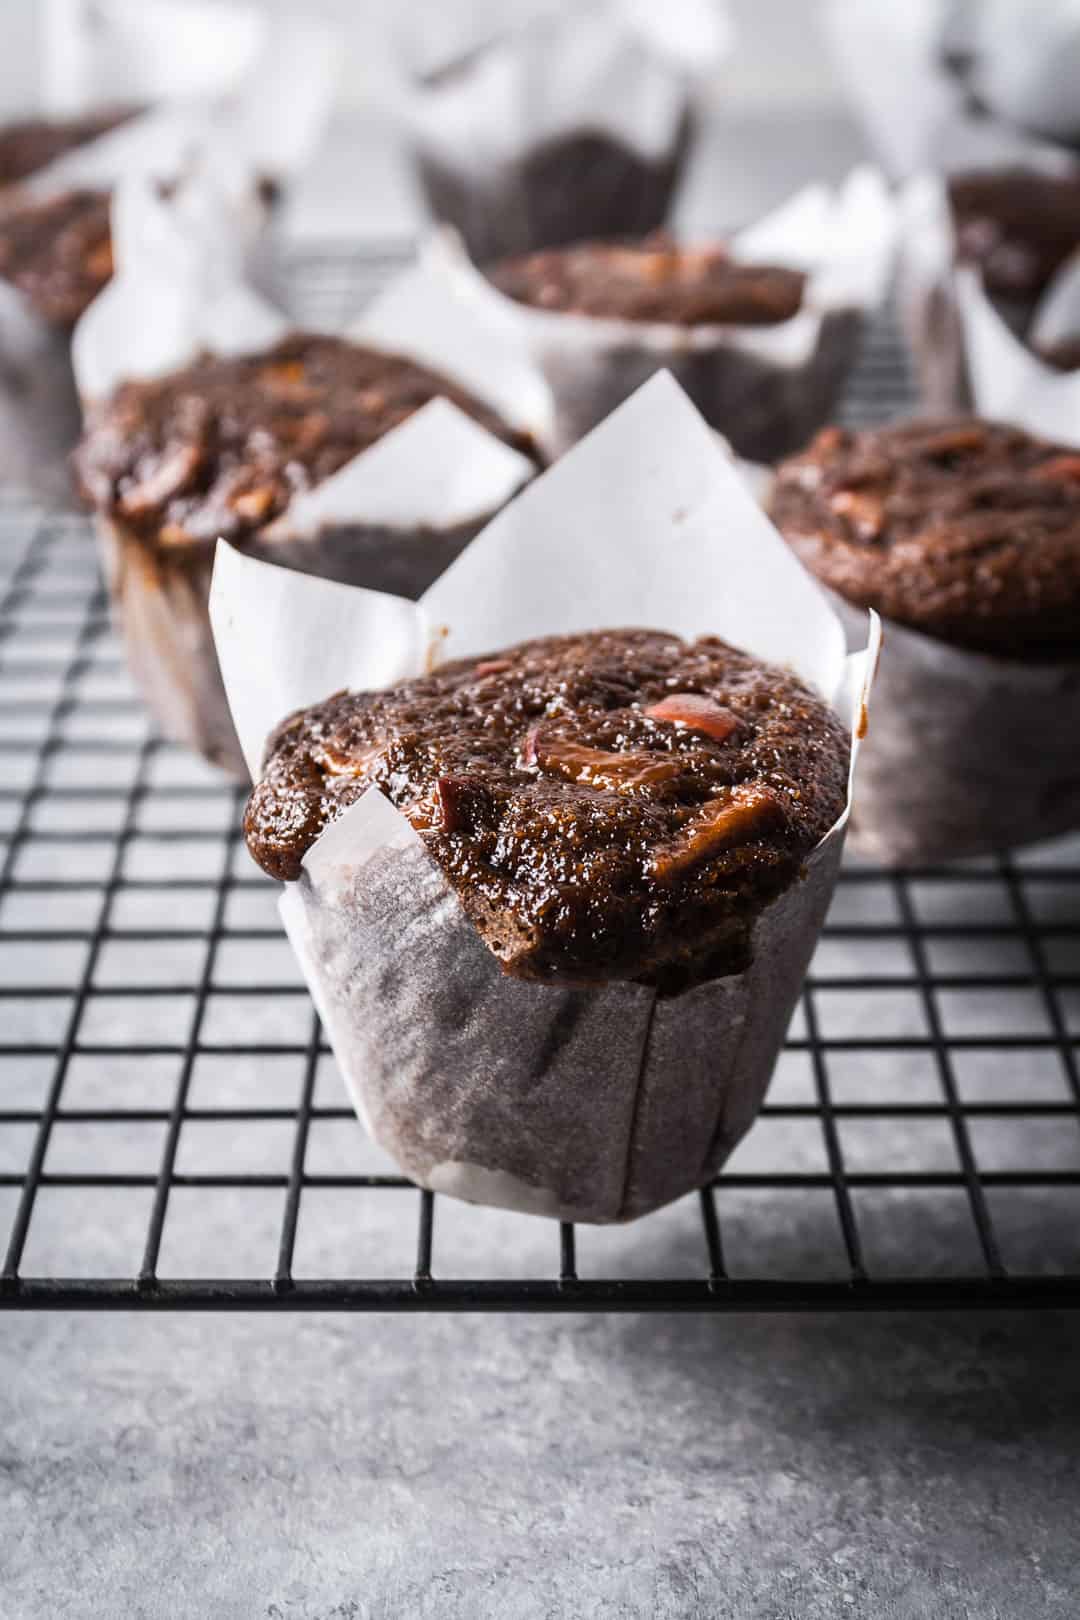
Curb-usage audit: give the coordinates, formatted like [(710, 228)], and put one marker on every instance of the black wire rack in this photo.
[(174, 1134)]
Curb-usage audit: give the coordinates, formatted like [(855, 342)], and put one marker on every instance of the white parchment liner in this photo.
[(394, 516), (1026, 63), (968, 754), (261, 81), (766, 388), (591, 1105), (971, 753), (130, 50), (919, 122), (916, 114), (927, 286), (488, 135)]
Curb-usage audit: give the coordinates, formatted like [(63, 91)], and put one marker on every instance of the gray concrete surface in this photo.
[(341, 1469)]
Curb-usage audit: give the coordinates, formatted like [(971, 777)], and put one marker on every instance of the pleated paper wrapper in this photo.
[(240, 95), (919, 121), (971, 753), (592, 1105), (916, 114), (765, 388), (395, 516), (575, 123)]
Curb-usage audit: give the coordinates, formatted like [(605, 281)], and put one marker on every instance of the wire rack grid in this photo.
[(174, 1134)]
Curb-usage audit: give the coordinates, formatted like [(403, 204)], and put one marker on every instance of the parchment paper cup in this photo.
[(928, 282), (917, 114), (1007, 377), (972, 753), (241, 95), (766, 388), (967, 755), (589, 1105), (1025, 64), (394, 517), (923, 125), (576, 124)]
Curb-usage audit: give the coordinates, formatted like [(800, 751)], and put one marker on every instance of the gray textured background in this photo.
[(335, 1469)]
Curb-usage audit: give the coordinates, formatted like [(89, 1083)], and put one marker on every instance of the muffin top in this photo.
[(614, 805), (222, 446), (967, 530), (56, 250), (1018, 225), (652, 280), (31, 143)]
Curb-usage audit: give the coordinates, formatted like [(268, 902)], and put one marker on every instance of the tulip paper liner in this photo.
[(394, 516), (596, 1104), (972, 753), (931, 301), (919, 121), (766, 388), (252, 90), (242, 96), (968, 755), (575, 124), (1008, 379), (918, 115)]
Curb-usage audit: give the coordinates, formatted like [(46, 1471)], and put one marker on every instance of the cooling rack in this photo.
[(174, 1135)]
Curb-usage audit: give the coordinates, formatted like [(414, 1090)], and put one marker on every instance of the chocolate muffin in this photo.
[(57, 251), (619, 805), (1018, 226), (965, 535), (55, 256), (966, 530), (220, 449), (760, 351), (652, 280), (585, 179)]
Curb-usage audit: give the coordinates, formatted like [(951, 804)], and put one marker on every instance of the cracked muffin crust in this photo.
[(652, 280), (222, 446), (967, 530), (612, 805)]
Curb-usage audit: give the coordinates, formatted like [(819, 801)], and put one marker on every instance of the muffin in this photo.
[(601, 317), (609, 851), (55, 244), (1017, 226), (554, 882), (619, 805), (231, 446), (761, 342), (655, 281), (56, 250), (55, 255), (597, 141), (586, 180), (965, 536)]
